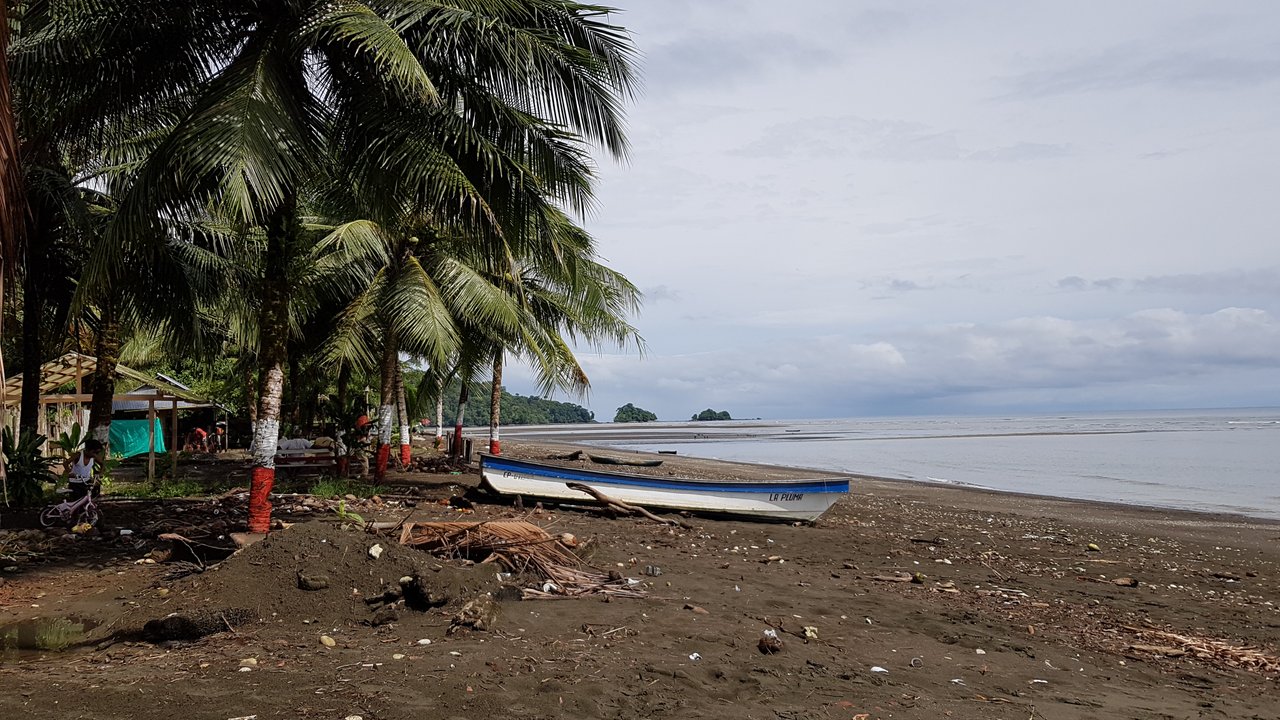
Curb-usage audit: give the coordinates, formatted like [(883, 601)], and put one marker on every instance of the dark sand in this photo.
[(1014, 617)]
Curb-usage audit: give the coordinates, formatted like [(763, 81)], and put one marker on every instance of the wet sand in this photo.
[(1012, 615)]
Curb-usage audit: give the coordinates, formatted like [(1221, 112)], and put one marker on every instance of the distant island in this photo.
[(710, 414), (630, 414)]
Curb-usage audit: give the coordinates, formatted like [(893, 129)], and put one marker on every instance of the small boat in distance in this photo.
[(787, 500), (605, 460)]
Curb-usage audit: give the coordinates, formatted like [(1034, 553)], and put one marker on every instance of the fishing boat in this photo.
[(790, 500), (606, 460)]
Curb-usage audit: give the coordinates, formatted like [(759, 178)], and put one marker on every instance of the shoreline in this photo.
[(863, 481), (627, 439)]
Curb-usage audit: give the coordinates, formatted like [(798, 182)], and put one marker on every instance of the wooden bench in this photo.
[(303, 462)]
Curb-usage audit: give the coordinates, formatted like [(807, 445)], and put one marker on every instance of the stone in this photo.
[(312, 583), (385, 615), (327, 641)]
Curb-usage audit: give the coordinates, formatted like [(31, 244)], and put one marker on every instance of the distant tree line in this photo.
[(630, 413), (519, 409), (710, 414)]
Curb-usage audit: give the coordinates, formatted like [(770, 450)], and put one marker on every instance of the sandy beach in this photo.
[(903, 601)]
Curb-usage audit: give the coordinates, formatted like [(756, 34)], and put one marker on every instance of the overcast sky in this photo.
[(840, 208)]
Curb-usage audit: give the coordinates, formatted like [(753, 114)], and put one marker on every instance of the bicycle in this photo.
[(71, 513)]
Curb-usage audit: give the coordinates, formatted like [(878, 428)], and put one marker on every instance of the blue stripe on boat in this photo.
[(589, 476)]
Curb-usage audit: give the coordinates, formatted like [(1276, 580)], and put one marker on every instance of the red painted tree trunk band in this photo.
[(495, 447), (260, 499), (384, 456), (406, 454)]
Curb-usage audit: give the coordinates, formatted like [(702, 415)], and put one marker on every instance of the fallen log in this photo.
[(618, 504)]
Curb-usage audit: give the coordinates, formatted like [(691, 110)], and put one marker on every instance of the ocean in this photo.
[(1203, 460)]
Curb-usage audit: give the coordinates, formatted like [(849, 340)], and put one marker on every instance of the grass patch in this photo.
[(336, 487), (166, 488)]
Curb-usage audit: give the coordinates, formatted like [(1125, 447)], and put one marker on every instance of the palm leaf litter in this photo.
[(521, 547)]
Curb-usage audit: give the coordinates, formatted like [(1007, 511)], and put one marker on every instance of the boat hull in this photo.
[(788, 500)]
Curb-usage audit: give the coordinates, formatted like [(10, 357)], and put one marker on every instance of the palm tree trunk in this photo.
[(495, 404), (32, 314), (387, 404), (251, 394), (13, 201), (439, 442), (402, 404), (344, 392), (106, 348), (273, 331), (463, 397)]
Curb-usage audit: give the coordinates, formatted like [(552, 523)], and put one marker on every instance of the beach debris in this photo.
[(312, 583), (249, 662), (520, 547), (618, 505), (1204, 648), (327, 641), (916, 662), (1125, 582), (810, 632), (695, 657), (1093, 547), (575, 455), (398, 656), (479, 613), (878, 669), (898, 577), (569, 540), (375, 552), (424, 641), (695, 609), (652, 570)]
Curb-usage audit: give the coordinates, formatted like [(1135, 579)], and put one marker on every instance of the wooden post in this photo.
[(173, 447), (151, 439)]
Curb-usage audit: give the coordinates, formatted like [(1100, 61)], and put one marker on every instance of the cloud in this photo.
[(1123, 68), (1262, 282), (721, 61), (661, 293), (963, 367), (884, 139)]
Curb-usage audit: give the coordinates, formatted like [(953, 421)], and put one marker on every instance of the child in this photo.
[(80, 469)]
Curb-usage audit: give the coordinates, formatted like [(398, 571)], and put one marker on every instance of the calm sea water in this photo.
[(1219, 461)]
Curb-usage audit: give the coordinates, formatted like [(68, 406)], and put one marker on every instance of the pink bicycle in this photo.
[(70, 513)]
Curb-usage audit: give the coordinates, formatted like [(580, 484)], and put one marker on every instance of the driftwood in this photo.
[(520, 547), (618, 504), (1204, 648), (575, 455)]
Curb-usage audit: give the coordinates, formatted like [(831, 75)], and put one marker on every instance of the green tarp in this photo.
[(130, 437)]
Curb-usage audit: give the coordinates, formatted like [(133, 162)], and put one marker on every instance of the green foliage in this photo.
[(516, 409), (70, 443), (329, 487), (347, 515), (630, 413), (28, 469), (710, 414)]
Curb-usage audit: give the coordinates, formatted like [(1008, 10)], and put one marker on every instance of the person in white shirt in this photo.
[(80, 469)]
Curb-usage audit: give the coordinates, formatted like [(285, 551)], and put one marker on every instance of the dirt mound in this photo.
[(327, 573)]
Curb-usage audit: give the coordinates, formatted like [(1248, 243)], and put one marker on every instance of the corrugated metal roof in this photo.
[(64, 371)]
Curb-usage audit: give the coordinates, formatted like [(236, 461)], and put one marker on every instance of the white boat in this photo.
[(798, 499)]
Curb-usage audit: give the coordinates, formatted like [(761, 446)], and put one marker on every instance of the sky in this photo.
[(838, 208)]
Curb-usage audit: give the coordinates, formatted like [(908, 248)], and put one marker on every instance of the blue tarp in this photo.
[(130, 437)]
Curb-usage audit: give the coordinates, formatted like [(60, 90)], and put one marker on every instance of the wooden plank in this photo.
[(151, 440), (173, 447)]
